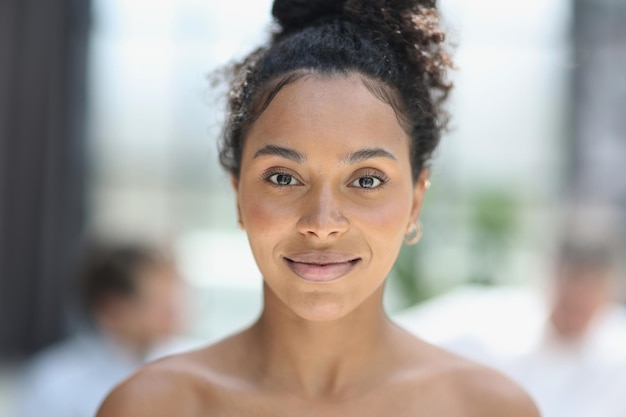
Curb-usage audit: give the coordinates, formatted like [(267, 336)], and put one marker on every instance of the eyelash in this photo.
[(374, 174), (277, 171)]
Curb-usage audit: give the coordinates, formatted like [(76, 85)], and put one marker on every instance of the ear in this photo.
[(419, 189), (234, 182)]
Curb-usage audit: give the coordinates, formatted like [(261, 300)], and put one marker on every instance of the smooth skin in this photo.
[(326, 196)]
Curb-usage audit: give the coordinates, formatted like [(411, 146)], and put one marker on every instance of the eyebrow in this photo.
[(352, 158), (287, 153), (365, 154)]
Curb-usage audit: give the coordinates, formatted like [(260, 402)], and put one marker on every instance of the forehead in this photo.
[(329, 110)]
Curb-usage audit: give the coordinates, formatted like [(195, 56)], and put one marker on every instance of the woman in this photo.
[(329, 131)]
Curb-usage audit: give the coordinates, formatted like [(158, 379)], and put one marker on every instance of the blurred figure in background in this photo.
[(575, 366), (132, 296)]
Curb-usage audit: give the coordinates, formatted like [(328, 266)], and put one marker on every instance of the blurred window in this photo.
[(154, 121)]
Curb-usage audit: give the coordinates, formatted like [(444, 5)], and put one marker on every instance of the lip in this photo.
[(321, 266)]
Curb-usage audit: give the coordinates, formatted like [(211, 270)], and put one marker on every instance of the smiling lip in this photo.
[(321, 266)]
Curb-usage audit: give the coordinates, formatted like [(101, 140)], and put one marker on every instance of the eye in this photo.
[(282, 179), (368, 181)]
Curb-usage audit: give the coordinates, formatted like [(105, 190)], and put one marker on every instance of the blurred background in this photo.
[(108, 128)]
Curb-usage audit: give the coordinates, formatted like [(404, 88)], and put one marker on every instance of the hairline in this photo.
[(380, 89)]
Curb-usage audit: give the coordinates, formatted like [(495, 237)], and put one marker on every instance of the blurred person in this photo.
[(132, 295), (577, 359), (585, 283), (331, 125)]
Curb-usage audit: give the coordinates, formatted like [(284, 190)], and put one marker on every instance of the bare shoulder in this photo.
[(161, 389), (448, 384), (184, 385), (466, 388), (490, 393)]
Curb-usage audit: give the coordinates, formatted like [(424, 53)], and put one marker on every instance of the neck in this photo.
[(312, 358), (130, 347), (564, 335)]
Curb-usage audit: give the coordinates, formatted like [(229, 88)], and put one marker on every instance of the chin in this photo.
[(317, 303), (320, 307)]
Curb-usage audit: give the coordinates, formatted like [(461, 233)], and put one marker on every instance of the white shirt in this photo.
[(72, 378)]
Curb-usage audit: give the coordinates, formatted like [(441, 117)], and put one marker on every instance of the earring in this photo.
[(414, 234), (427, 183)]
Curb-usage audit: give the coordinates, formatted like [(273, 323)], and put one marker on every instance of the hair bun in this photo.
[(293, 14)]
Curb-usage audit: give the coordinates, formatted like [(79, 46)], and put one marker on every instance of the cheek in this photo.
[(266, 222), (262, 215), (388, 220)]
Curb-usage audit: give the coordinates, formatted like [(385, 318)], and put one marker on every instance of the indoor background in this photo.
[(108, 128)]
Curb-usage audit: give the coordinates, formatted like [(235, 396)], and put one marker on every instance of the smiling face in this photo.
[(326, 194)]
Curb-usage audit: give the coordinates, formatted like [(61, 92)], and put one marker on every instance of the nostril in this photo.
[(322, 214), (323, 226)]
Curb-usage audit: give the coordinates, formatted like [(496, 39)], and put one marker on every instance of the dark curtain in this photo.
[(599, 101), (43, 53)]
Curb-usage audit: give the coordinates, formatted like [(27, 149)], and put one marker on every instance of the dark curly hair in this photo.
[(395, 45)]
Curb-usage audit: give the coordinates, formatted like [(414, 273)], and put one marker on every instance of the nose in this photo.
[(322, 215)]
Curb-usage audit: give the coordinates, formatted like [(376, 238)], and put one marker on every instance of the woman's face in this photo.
[(326, 195)]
